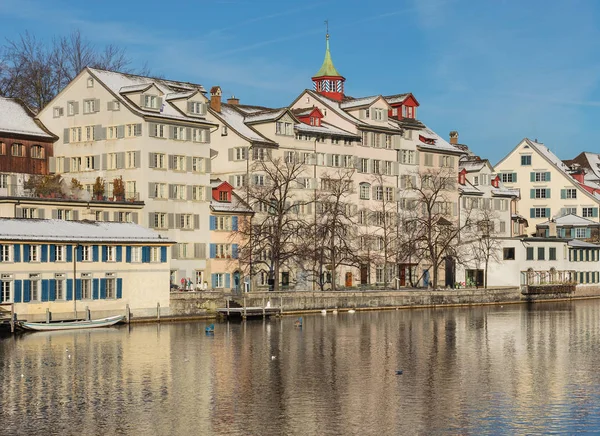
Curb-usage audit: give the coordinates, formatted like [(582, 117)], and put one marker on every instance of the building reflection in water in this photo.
[(512, 369)]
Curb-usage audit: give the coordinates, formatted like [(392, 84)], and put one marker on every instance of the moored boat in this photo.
[(70, 325)]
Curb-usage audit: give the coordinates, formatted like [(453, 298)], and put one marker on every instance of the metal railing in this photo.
[(20, 191)]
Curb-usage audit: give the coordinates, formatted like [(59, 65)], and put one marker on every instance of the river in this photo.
[(515, 369)]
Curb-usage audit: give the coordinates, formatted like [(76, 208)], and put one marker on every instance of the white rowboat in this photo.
[(70, 325)]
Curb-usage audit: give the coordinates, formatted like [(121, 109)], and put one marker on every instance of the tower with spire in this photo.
[(328, 81)]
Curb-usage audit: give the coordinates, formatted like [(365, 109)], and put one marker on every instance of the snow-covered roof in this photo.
[(17, 229), (502, 191), (468, 188), (440, 143), (334, 105), (236, 120), (135, 88), (118, 81), (236, 204), (542, 149), (178, 95), (350, 103), (325, 129), (580, 243), (15, 118), (268, 115), (397, 98), (594, 161), (471, 165), (571, 220)]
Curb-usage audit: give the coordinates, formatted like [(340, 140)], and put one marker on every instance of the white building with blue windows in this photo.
[(68, 266)]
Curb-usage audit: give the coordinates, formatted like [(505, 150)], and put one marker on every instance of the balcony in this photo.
[(18, 191)]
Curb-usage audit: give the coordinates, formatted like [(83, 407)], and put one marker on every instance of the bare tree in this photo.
[(272, 240), (434, 217), (35, 71), (334, 226)]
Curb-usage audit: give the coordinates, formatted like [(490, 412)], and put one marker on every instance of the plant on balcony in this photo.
[(98, 188), (119, 188), (45, 186), (76, 184)]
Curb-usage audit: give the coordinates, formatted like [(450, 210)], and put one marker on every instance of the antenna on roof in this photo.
[(327, 27)]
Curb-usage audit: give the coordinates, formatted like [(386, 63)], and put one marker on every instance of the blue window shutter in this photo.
[(548, 193), (69, 249), (25, 252), (532, 193), (104, 252), (128, 254), (146, 254), (78, 289), (17, 253), (17, 288), (532, 213), (52, 291), (213, 278), (96, 289), (547, 212), (548, 176), (52, 253), (102, 289), (79, 253), (26, 291), (45, 290), (69, 289), (44, 253), (227, 281), (234, 223), (532, 176), (213, 223), (514, 177), (588, 233), (213, 251), (163, 254), (119, 251), (595, 212), (119, 288), (234, 251), (563, 194)]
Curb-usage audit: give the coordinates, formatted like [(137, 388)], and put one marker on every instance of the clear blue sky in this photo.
[(496, 71)]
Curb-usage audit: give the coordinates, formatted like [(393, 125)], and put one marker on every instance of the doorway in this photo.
[(450, 271), (364, 274), (348, 281)]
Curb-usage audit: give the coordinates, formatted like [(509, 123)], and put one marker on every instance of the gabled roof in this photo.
[(181, 95), (571, 220), (334, 105), (580, 243), (440, 143), (397, 98), (325, 129), (235, 119), (116, 82), (18, 229), (16, 118), (267, 115), (351, 102)]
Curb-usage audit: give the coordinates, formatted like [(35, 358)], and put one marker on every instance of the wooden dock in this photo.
[(248, 312)]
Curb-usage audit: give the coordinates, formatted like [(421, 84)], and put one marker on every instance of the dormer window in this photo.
[(150, 101), (409, 112), (395, 112), (367, 113), (223, 196), (196, 107), (378, 114), (283, 128), (315, 121)]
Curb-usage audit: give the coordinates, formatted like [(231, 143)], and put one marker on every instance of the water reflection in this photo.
[(511, 369)]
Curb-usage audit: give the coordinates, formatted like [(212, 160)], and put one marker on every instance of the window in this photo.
[(379, 193), (177, 192), (179, 163), (541, 253), (589, 212), (111, 253), (446, 161), (34, 286), (59, 286), (86, 253), (57, 112), (151, 101), (223, 196), (258, 153), (159, 160), (552, 253), (259, 180), (110, 288), (526, 160), (186, 221), (154, 254), (90, 82), (241, 153), (89, 106), (569, 210), (124, 217), (159, 131), (365, 190), (509, 177), (34, 253), (179, 133), (541, 176), (17, 150), (200, 135), (219, 280), (37, 152), (580, 232), (348, 161), (542, 193), (86, 287), (336, 160), (508, 253), (570, 193), (540, 212), (408, 157), (64, 214), (130, 159), (29, 212), (389, 194), (2, 148), (364, 165), (132, 130), (198, 193), (223, 223), (222, 251), (3, 180), (289, 157), (59, 253), (160, 220), (475, 180), (529, 253), (283, 128), (365, 138), (196, 107), (379, 114), (387, 168), (376, 164), (428, 159), (5, 253)]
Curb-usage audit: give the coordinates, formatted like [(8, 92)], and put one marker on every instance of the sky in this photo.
[(494, 70)]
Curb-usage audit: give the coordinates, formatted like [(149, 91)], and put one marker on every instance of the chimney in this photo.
[(233, 101), (552, 229), (454, 137), (579, 175), (215, 98), (496, 181)]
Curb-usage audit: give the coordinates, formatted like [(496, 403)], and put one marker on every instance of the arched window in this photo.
[(365, 191)]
